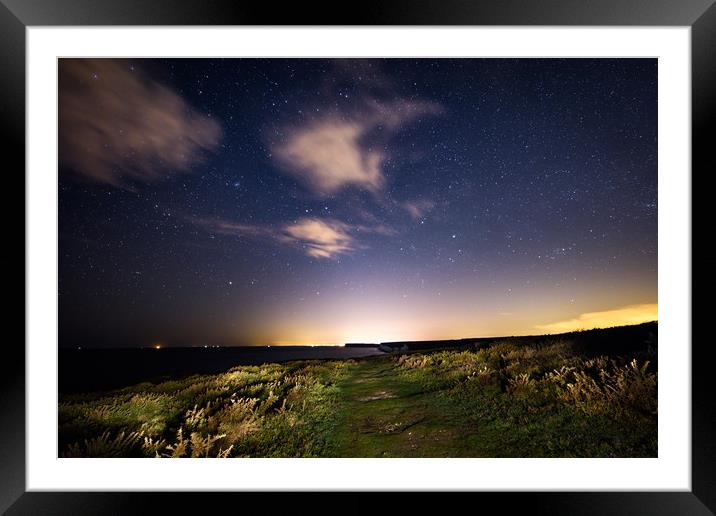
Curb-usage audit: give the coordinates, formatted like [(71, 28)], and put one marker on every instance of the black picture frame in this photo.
[(17, 15)]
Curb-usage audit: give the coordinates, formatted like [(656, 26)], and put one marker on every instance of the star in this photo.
[(352, 178)]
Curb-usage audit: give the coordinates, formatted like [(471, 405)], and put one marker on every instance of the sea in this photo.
[(87, 370)]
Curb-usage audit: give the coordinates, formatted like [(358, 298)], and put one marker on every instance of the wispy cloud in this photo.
[(378, 229), (332, 152), (418, 208), (632, 314), (226, 227), (318, 238), (117, 126)]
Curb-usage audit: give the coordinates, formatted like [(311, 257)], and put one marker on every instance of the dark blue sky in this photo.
[(298, 201)]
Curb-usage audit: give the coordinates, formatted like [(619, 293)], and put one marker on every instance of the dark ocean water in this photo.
[(94, 369)]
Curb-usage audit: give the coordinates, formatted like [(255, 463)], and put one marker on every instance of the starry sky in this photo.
[(323, 201)]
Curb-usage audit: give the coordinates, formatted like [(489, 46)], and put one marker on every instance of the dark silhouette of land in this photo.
[(616, 340)]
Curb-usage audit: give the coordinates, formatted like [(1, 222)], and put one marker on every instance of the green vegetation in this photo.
[(511, 398)]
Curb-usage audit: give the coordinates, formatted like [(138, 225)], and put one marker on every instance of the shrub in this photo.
[(522, 384), (416, 361), (629, 388), (104, 445)]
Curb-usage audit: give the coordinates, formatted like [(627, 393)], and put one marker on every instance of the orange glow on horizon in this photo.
[(632, 314), (386, 309), (405, 330)]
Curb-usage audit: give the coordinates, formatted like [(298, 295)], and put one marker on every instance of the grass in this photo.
[(547, 397)]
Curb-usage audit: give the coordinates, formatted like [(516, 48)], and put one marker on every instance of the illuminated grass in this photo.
[(548, 398)]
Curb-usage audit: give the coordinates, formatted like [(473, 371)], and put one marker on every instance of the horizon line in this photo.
[(346, 344)]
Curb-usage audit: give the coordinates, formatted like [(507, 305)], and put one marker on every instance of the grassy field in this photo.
[(542, 397)]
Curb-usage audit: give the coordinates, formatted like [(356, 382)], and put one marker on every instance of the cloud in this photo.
[(331, 152), (417, 209), (632, 314), (117, 126), (378, 229), (318, 238), (327, 156), (225, 227)]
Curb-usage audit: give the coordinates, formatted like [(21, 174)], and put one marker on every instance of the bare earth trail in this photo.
[(386, 415)]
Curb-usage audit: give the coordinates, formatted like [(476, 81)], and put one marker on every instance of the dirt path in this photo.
[(387, 416)]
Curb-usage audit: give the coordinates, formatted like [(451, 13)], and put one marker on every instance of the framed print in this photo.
[(421, 248)]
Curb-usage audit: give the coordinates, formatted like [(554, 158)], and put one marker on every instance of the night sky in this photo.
[(317, 201)]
